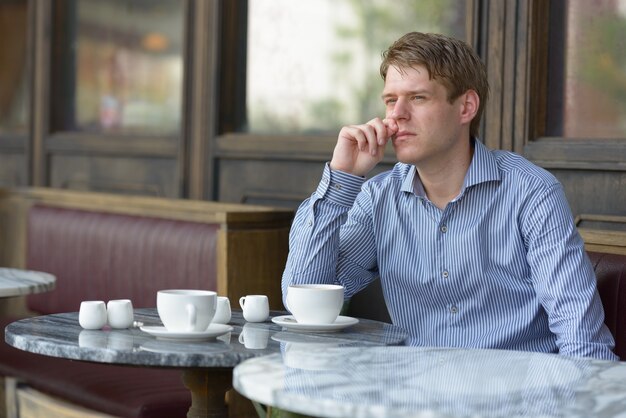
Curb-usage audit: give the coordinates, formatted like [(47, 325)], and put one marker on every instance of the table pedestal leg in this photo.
[(208, 390)]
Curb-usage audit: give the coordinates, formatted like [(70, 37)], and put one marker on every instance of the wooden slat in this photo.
[(603, 239), (230, 214)]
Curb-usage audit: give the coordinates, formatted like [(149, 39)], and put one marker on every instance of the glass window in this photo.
[(312, 66), (13, 75), (120, 69), (587, 75)]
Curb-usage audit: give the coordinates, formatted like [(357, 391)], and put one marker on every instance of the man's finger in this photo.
[(392, 126)]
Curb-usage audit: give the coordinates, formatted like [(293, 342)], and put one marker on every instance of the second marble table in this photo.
[(411, 382), (207, 365), (17, 282)]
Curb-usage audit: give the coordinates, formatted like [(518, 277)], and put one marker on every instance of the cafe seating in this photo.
[(104, 247)]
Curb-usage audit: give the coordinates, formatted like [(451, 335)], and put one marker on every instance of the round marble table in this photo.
[(207, 365), (403, 382), (16, 282)]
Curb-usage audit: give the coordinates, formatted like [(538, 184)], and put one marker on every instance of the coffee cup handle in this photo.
[(242, 301), (191, 316), (241, 338)]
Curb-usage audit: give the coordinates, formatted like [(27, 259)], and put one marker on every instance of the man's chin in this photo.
[(404, 157)]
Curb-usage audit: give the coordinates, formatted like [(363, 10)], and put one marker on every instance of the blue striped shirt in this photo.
[(502, 266)]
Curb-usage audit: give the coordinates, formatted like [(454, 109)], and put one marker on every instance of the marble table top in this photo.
[(16, 282), (60, 335), (402, 382)]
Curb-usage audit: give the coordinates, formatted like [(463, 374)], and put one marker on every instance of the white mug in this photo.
[(184, 310), (254, 336), (256, 308), (92, 314), (222, 312), (315, 303), (120, 313)]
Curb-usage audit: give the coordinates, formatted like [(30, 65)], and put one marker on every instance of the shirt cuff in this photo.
[(339, 187)]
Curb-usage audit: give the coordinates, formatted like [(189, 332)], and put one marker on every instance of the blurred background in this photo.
[(241, 101)]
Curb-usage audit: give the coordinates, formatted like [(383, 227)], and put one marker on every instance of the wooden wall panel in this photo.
[(138, 176), (12, 169), (280, 183), (277, 183), (594, 192)]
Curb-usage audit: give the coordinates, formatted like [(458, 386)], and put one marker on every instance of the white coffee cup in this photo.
[(315, 303), (92, 314), (185, 310), (120, 313), (256, 308), (222, 312), (254, 336)]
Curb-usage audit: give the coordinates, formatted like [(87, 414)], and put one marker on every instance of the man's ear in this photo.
[(469, 106)]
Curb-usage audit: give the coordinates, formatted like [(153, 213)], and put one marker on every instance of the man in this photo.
[(474, 248)]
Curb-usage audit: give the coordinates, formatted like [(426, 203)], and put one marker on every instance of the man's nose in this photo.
[(400, 110)]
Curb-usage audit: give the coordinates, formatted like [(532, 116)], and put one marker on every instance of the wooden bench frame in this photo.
[(602, 240), (252, 241)]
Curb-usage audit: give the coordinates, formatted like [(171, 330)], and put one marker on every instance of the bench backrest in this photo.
[(104, 246), (105, 256)]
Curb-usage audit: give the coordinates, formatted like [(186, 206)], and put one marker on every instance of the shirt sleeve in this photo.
[(320, 233), (563, 277)]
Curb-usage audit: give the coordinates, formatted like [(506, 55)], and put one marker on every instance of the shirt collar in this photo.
[(483, 168)]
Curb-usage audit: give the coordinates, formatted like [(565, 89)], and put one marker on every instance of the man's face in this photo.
[(430, 129)]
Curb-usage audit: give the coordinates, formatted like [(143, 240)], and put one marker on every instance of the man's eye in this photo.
[(390, 101), (418, 97)]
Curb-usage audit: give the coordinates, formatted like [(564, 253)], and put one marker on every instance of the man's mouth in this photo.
[(401, 135)]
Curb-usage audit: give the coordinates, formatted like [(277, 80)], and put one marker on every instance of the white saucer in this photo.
[(289, 322), (214, 330)]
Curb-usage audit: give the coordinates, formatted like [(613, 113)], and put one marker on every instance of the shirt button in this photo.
[(454, 309), (310, 222), (445, 274), (444, 229), (338, 186)]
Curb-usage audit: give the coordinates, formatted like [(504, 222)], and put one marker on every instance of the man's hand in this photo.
[(360, 147)]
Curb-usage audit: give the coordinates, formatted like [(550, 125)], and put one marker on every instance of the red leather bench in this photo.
[(611, 273), (110, 256)]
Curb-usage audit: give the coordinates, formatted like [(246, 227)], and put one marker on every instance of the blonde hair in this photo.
[(450, 61)]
